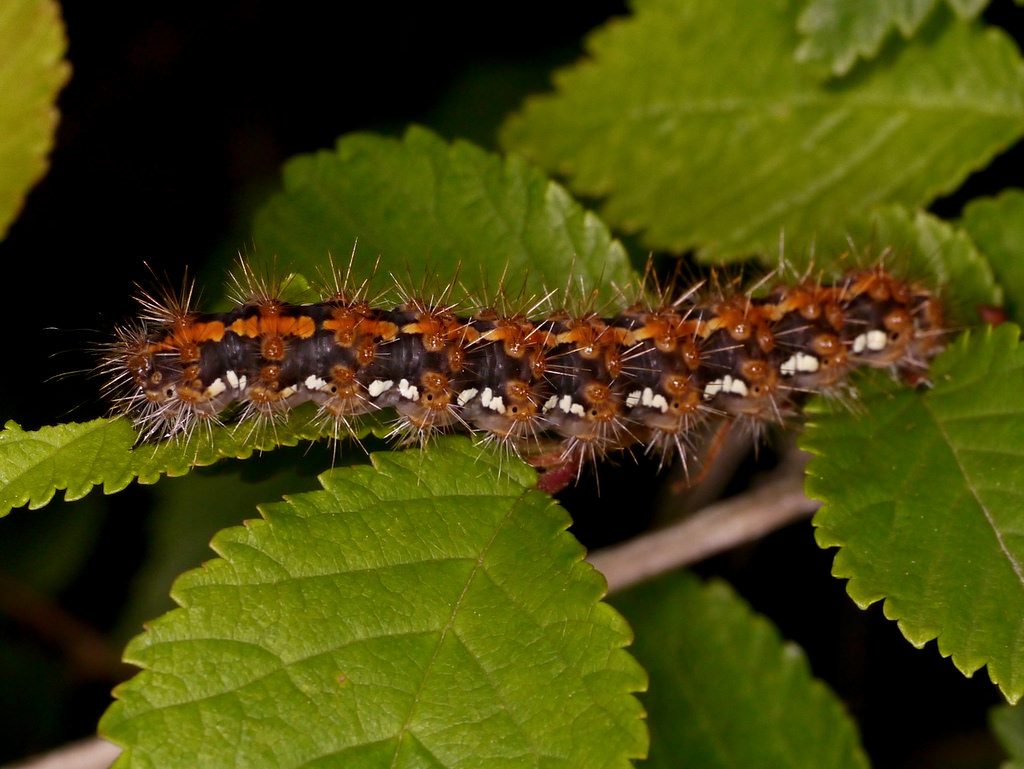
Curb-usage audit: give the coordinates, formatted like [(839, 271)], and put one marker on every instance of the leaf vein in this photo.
[(1015, 564), (477, 568)]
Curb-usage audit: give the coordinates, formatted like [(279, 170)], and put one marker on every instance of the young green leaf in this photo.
[(430, 211), (997, 226), (923, 501), (725, 690), (32, 72), (78, 456), (698, 127), (427, 611), (838, 32)]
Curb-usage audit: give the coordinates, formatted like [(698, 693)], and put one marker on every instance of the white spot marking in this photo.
[(232, 378), (860, 343), (807, 363), (877, 340), (485, 397), (379, 387), (408, 391), (216, 388), (801, 362), (491, 401), (549, 404), (736, 386), (726, 384), (632, 399), (577, 409), (653, 400), (466, 396), (313, 382), (565, 404)]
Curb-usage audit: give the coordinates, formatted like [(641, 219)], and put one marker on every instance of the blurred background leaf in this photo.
[(837, 33), (726, 690), (693, 146)]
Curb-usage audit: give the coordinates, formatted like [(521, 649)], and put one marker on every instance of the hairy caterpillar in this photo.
[(649, 376)]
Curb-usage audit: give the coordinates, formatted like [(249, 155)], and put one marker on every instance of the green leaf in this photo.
[(430, 210), (78, 456), (726, 691), (1007, 722), (423, 612), (997, 226), (838, 32), (32, 72), (924, 501), (697, 146)]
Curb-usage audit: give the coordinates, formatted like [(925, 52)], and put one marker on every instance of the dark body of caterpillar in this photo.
[(648, 376)]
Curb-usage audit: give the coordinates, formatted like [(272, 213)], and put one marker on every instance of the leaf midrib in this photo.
[(825, 103), (406, 728)]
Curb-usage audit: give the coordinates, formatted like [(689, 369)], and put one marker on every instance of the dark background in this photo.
[(173, 129)]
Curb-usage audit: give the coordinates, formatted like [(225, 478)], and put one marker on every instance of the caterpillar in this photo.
[(647, 377)]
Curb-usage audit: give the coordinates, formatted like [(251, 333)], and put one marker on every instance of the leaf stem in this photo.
[(715, 529), (90, 753)]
